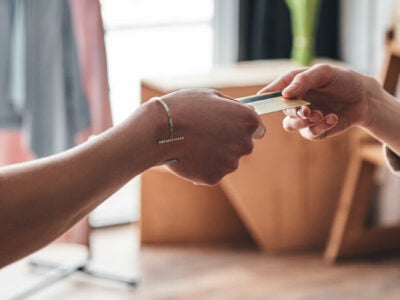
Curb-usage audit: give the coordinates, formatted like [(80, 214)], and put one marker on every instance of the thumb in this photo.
[(316, 77), (281, 82), (260, 131)]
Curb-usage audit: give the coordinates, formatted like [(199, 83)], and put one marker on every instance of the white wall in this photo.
[(226, 31), (363, 26)]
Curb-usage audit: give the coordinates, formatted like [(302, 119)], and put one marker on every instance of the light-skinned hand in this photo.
[(339, 100)]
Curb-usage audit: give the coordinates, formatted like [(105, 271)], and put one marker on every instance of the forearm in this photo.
[(40, 200), (384, 123)]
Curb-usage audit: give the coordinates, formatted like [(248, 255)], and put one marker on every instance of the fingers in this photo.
[(256, 126), (294, 124), (316, 77), (304, 113), (325, 123), (260, 131), (255, 123), (292, 112), (312, 131), (219, 94), (281, 82)]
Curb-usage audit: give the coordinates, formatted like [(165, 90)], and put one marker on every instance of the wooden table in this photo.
[(283, 195)]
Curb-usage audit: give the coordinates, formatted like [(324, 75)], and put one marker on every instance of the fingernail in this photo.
[(306, 111), (263, 90), (331, 120), (291, 89), (263, 132), (315, 117), (300, 113), (260, 132)]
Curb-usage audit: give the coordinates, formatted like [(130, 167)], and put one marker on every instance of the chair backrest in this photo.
[(391, 65)]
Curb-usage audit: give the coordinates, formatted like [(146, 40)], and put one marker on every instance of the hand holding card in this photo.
[(271, 102)]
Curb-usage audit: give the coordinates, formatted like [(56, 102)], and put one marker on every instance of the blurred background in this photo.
[(140, 45), (190, 37), (277, 227)]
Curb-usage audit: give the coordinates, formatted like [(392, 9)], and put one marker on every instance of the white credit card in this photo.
[(272, 102)]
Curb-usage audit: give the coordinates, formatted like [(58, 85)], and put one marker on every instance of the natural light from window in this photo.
[(146, 38), (154, 37)]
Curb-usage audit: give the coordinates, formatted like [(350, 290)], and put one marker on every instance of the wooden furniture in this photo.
[(349, 235), (175, 210), (283, 194)]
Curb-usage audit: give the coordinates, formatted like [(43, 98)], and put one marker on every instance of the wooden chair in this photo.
[(349, 235)]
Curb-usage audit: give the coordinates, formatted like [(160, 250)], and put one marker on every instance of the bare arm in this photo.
[(384, 122), (40, 200)]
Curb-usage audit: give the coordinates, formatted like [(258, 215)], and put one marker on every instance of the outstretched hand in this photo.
[(339, 100)]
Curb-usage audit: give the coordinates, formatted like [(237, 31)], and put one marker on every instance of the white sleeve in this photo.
[(393, 160)]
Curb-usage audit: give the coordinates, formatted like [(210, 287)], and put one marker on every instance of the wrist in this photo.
[(375, 104), (162, 128), (136, 139), (384, 122), (380, 106)]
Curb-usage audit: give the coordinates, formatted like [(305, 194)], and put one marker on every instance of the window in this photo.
[(154, 37), (149, 38)]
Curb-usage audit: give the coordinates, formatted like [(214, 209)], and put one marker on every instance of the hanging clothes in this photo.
[(56, 107), (53, 81), (8, 117), (89, 32), (52, 107), (13, 149), (86, 15)]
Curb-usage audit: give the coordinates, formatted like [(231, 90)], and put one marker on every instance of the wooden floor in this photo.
[(206, 273)]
